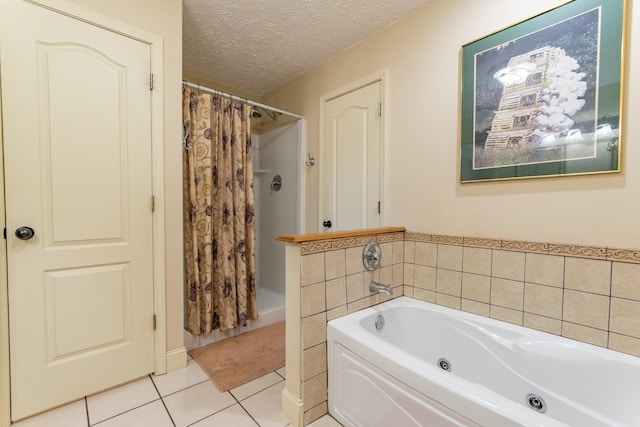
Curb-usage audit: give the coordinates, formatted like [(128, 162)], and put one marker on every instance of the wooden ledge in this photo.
[(313, 237)]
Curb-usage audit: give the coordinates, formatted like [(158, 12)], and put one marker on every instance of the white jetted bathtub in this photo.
[(429, 365)]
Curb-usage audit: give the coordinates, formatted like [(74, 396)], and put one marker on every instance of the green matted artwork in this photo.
[(543, 97)]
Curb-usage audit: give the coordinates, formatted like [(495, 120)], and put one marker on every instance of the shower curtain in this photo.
[(219, 227)]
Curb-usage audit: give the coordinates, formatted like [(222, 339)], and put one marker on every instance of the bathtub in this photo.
[(429, 365)]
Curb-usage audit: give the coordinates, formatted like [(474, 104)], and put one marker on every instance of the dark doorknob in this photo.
[(25, 233), (326, 224)]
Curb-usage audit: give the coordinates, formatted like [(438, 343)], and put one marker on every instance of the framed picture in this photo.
[(543, 97)]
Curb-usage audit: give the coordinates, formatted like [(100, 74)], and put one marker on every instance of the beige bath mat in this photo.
[(243, 358)]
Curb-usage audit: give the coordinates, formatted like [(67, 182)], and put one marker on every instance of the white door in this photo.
[(352, 160), (77, 142)]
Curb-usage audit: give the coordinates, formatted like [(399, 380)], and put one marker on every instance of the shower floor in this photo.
[(271, 309)]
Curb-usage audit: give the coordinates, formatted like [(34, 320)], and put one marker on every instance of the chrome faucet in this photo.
[(380, 288)]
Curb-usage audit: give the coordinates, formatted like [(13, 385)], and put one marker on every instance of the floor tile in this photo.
[(282, 372), (255, 386), (180, 379), (233, 416), (195, 403), (120, 399), (71, 415), (266, 407), (325, 421), (152, 414)]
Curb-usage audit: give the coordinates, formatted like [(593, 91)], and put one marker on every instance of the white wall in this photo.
[(421, 54), (278, 154)]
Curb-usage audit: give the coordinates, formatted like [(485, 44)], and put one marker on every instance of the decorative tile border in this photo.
[(309, 248), (519, 246), (591, 252), (474, 242), (624, 255), (447, 240)]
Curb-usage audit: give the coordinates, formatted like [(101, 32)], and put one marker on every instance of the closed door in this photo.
[(77, 142), (352, 160)]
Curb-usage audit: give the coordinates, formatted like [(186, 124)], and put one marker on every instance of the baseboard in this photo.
[(292, 408), (176, 359)]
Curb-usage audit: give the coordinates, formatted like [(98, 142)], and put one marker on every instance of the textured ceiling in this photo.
[(258, 45)]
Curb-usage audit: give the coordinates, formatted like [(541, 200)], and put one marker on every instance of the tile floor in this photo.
[(178, 399)]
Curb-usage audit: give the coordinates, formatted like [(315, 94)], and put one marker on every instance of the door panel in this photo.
[(352, 159), (77, 141)]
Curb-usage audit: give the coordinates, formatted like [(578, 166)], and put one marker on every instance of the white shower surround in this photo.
[(277, 152)]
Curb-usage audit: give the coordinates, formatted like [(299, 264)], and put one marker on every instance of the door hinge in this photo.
[(150, 81), (380, 109), (4, 233), (378, 206), (155, 322), (153, 203)]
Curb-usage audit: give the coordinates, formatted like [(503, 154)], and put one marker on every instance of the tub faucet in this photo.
[(380, 288)]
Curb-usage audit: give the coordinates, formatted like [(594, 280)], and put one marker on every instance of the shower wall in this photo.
[(276, 154)]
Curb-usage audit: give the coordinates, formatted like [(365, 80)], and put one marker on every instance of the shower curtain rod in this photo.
[(237, 98)]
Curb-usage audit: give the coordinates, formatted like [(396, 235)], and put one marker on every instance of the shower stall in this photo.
[(279, 166)]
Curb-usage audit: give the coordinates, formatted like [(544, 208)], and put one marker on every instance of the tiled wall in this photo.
[(334, 283), (588, 294)]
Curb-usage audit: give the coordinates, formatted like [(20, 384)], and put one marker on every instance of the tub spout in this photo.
[(380, 288)]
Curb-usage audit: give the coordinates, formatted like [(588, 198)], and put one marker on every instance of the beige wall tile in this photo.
[(354, 260), (476, 287), (336, 293), (424, 295), (372, 299), (544, 269), (409, 251), (426, 254), (386, 275), (625, 280), (408, 291), (624, 344), (625, 317), (314, 330), (507, 315), (337, 312), (588, 275), (476, 260), (450, 257), (335, 264), (355, 306), (314, 391), (507, 293), (449, 282), (314, 361), (586, 309), (408, 273), (387, 254), (448, 301), (508, 265), (541, 323), (585, 334), (355, 287), (543, 300), (424, 277), (313, 299), (398, 275), (475, 307), (312, 268), (314, 414), (398, 252)]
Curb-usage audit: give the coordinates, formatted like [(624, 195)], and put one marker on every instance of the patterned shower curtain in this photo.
[(219, 227)]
